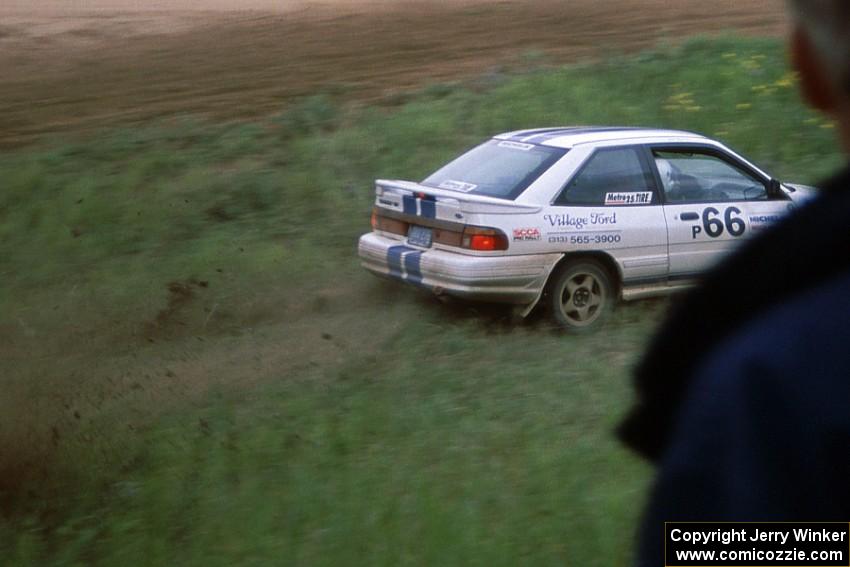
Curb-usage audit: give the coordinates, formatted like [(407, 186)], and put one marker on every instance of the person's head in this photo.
[(820, 50)]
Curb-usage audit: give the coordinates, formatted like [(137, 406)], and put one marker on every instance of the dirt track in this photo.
[(72, 68)]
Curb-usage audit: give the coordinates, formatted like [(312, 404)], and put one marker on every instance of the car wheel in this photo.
[(581, 296)]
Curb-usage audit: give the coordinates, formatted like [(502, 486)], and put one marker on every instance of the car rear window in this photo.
[(498, 168)]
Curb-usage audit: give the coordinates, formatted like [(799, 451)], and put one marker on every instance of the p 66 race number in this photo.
[(713, 226)]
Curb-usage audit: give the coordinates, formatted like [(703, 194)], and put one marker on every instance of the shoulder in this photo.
[(764, 429), (803, 337), (772, 399)]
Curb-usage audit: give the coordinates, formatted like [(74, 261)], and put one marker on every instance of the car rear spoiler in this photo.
[(465, 202)]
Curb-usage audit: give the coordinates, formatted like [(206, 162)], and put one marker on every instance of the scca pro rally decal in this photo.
[(636, 198), (527, 234)]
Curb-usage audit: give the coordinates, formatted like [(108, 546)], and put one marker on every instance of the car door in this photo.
[(611, 204), (711, 202)]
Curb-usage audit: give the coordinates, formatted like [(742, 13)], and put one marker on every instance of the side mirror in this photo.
[(774, 188)]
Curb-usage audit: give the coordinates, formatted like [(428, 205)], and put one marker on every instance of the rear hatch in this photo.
[(428, 215)]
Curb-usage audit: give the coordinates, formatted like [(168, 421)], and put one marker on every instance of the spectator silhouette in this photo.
[(744, 394)]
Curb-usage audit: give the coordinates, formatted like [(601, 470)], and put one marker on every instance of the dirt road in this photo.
[(80, 66)]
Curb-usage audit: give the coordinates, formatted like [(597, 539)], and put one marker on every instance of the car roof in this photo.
[(571, 136)]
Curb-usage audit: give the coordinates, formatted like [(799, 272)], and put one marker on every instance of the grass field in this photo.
[(198, 372)]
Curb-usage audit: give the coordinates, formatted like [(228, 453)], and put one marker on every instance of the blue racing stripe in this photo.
[(409, 204), (429, 209), (394, 255), (413, 266), (541, 135)]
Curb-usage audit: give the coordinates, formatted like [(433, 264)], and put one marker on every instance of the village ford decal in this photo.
[(579, 222)]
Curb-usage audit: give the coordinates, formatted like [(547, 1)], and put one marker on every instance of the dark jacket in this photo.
[(744, 394)]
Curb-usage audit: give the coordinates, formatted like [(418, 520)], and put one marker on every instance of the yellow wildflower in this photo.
[(788, 80)]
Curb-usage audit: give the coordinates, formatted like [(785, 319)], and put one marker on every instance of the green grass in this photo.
[(482, 447), (200, 373)]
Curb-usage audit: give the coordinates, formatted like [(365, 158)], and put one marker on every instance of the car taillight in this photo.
[(469, 237), (476, 238), (482, 242), (387, 224)]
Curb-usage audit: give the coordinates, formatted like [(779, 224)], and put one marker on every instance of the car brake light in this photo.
[(475, 238), (374, 219), (483, 242)]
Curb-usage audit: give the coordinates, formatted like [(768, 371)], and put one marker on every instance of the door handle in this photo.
[(689, 216)]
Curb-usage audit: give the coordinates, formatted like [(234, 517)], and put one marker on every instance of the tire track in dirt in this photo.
[(80, 72)]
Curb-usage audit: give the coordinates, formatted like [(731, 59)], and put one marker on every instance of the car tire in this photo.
[(581, 296)]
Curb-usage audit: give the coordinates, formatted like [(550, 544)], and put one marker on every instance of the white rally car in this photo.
[(577, 216)]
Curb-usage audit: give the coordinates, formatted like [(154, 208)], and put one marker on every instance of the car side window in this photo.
[(694, 176), (611, 176)]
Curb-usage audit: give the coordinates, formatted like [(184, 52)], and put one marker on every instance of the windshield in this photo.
[(496, 168)]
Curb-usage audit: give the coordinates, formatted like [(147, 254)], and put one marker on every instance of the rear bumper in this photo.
[(503, 279)]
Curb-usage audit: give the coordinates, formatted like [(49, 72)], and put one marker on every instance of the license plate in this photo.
[(419, 236)]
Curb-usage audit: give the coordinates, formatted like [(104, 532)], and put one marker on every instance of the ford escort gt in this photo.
[(577, 217)]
